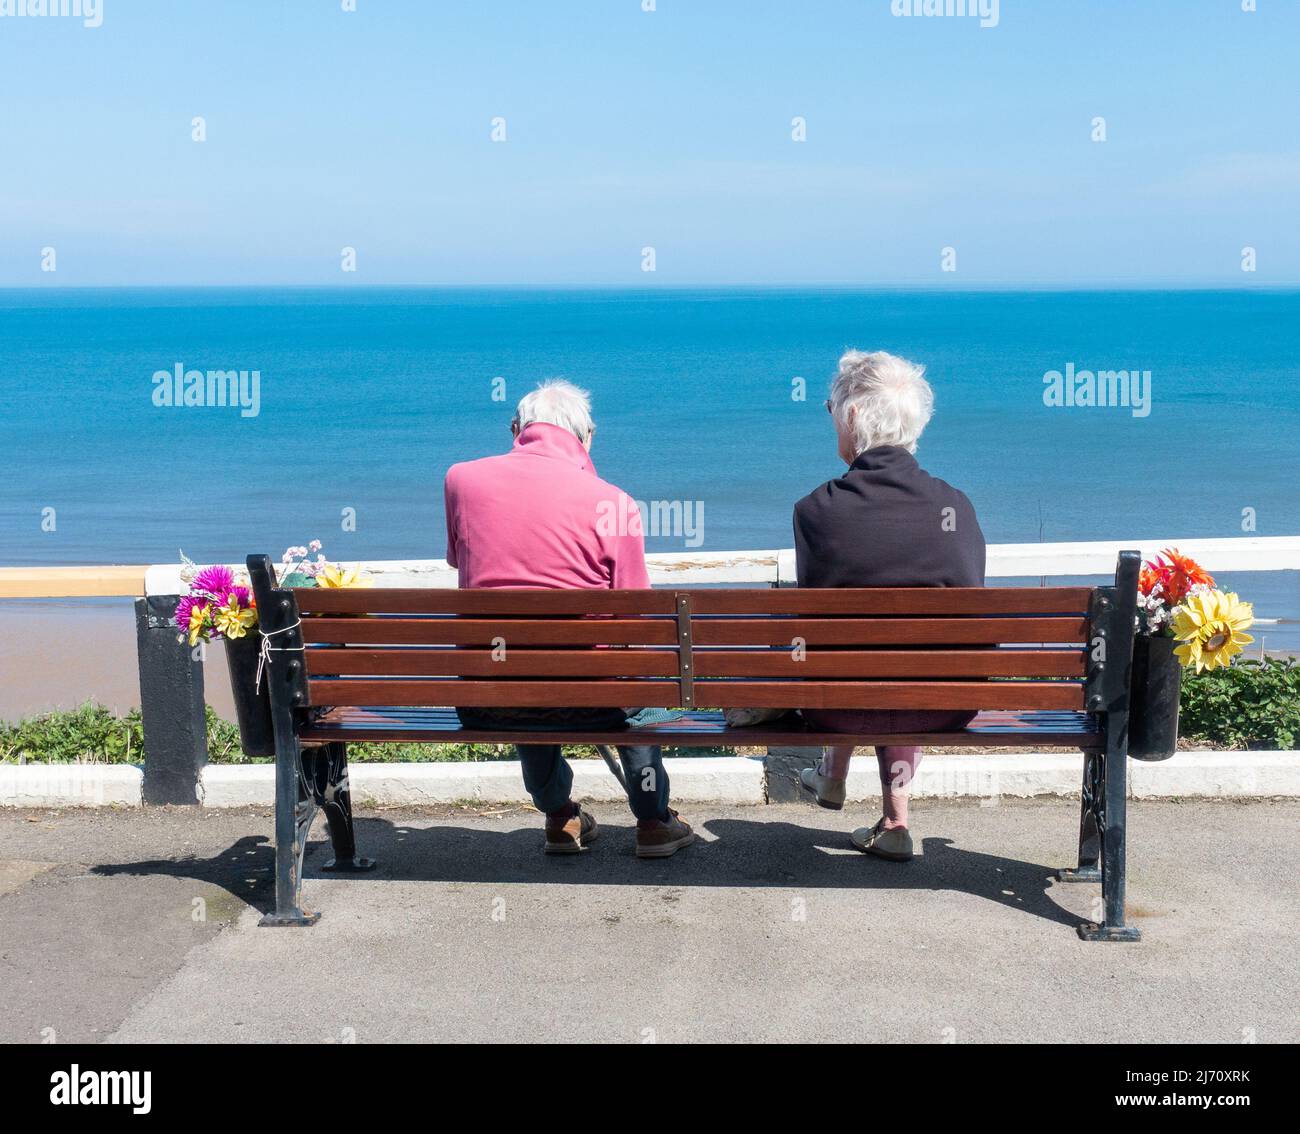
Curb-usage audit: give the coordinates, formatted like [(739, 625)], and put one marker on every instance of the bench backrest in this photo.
[(897, 648)]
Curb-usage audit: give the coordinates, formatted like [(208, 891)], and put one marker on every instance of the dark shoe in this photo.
[(572, 835), (663, 838)]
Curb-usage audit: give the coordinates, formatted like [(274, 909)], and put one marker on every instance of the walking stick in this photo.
[(614, 766)]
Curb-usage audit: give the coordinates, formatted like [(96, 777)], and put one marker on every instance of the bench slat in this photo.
[(720, 693), (654, 662), (919, 601), (885, 631), (439, 691), (481, 632), (701, 729), (788, 600), (454, 631), (505, 600), (400, 661), (890, 663)]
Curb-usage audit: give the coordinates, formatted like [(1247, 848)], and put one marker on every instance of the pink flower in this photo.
[(215, 581), (183, 610)]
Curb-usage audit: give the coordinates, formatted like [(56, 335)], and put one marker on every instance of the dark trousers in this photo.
[(547, 775), (549, 779)]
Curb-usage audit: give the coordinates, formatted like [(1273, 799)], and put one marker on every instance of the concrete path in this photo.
[(141, 925)]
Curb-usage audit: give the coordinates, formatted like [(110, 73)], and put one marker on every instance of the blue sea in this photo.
[(366, 396)]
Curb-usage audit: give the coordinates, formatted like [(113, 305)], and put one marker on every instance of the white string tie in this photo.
[(264, 654)]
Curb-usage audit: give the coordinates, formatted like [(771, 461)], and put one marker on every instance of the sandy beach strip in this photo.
[(56, 654)]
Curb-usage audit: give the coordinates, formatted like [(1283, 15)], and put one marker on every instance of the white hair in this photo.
[(890, 396), (557, 402)]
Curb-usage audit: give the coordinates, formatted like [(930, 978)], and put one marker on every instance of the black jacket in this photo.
[(887, 523)]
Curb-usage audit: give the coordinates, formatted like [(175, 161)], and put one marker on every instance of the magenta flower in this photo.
[(240, 595), (215, 581), (184, 609)]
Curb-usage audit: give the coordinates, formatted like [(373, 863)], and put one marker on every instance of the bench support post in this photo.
[(1089, 868), (295, 809), (335, 799), (1106, 795), (1114, 867), (295, 801)]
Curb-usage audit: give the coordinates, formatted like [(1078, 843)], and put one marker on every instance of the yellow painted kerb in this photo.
[(71, 582)]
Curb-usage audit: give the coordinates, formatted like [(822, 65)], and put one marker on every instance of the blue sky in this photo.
[(671, 129)]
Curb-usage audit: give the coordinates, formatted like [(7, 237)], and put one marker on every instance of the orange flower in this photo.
[(1175, 573)]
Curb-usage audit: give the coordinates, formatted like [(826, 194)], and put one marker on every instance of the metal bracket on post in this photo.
[(685, 651), (171, 705)]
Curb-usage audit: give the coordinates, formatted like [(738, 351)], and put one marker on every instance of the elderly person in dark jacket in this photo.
[(885, 522)]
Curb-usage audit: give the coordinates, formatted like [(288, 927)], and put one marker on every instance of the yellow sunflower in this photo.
[(333, 576), (1211, 627)]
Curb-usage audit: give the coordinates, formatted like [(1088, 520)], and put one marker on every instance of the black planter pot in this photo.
[(1153, 699), (252, 708)]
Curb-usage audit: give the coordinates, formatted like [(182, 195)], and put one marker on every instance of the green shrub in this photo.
[(89, 733), (1251, 704)]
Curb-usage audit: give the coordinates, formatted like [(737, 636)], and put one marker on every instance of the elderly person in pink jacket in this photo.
[(537, 516)]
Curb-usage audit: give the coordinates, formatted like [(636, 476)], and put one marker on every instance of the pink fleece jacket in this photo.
[(539, 516)]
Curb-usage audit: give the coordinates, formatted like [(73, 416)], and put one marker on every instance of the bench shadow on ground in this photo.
[(736, 852)]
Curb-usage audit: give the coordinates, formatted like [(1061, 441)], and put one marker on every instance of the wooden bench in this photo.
[(1044, 666)]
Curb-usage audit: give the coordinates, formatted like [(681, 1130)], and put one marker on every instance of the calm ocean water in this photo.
[(366, 396)]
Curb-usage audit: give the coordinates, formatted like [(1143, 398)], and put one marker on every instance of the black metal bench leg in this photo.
[(336, 802), (1089, 868), (295, 808), (1113, 822)]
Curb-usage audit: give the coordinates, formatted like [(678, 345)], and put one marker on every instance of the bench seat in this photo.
[(702, 729), (1044, 667)]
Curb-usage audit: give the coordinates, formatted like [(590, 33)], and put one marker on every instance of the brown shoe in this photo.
[(663, 839), (571, 836)]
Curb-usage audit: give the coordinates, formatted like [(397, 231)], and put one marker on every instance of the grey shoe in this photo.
[(894, 844), (830, 793)]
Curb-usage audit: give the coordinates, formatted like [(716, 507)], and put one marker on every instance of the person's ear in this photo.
[(514, 428)]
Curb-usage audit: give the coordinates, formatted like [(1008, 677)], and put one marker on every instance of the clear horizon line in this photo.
[(648, 288)]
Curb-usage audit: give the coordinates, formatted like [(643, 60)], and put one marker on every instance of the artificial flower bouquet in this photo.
[(215, 605), (1177, 598), (1184, 622), (218, 603)]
